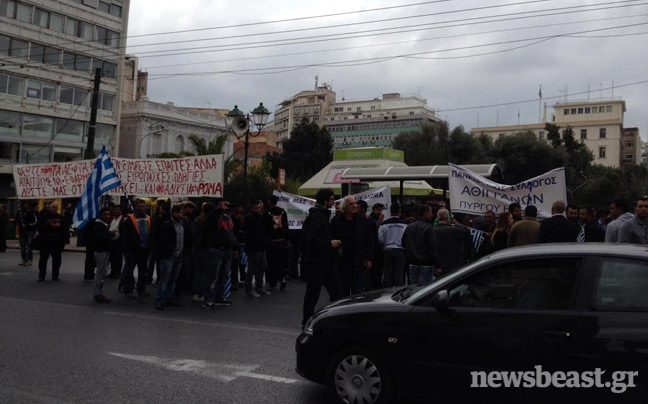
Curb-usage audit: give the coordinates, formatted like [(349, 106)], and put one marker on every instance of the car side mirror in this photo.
[(440, 300)]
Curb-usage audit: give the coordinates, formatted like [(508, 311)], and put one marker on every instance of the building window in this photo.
[(37, 126), (73, 96), (115, 10), (580, 110), (72, 27), (8, 8), (156, 143), (601, 109), (106, 102), (608, 108), (69, 130), (602, 152), (358, 109), (373, 107), (594, 110), (583, 134), (11, 84), (587, 110), (52, 56), (24, 13), (602, 133), (34, 154), (573, 111), (349, 109), (9, 152), (411, 113), (629, 143), (541, 135), (36, 52), (339, 109), (103, 6), (57, 22), (42, 91), (82, 63), (628, 157), (19, 49), (69, 59), (41, 18), (179, 144), (5, 41), (566, 112), (10, 122)]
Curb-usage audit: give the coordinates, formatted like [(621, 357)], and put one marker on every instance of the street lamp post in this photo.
[(139, 144), (239, 123)]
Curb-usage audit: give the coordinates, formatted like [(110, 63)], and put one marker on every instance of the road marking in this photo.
[(10, 273), (282, 331), (225, 372)]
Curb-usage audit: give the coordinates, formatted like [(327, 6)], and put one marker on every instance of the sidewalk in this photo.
[(72, 247)]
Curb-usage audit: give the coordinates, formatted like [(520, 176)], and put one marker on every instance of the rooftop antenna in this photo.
[(613, 89), (588, 91), (601, 90), (316, 81), (497, 119), (342, 95), (566, 92)]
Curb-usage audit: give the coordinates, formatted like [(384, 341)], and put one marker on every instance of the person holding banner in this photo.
[(319, 250)]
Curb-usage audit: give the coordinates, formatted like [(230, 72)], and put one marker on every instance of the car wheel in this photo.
[(360, 377)]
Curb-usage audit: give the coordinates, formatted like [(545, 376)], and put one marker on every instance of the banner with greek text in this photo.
[(192, 176), (473, 194), (297, 207)]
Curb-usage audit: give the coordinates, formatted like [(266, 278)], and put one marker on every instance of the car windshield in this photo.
[(419, 291)]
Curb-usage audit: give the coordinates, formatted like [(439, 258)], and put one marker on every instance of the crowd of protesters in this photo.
[(208, 252)]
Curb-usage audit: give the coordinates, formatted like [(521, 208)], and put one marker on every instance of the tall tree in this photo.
[(308, 150), (553, 134)]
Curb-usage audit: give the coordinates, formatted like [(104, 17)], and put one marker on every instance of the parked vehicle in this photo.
[(564, 307)]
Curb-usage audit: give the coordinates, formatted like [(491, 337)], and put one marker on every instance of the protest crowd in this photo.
[(346, 246)]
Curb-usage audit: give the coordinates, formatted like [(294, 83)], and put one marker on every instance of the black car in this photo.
[(553, 308)]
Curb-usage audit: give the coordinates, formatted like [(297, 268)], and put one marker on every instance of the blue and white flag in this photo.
[(102, 179), (478, 238)]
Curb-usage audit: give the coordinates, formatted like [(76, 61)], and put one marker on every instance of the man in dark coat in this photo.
[(319, 249), (592, 232), (135, 236), (278, 248), (453, 242), (558, 229), (51, 229)]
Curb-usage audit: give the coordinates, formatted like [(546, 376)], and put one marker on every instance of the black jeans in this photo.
[(277, 256), (319, 275), (45, 252), (116, 259), (90, 264), (138, 258), (352, 278)]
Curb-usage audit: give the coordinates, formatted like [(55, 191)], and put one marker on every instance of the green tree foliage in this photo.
[(259, 185), (215, 146), (308, 150), (167, 155), (553, 134), (524, 156)]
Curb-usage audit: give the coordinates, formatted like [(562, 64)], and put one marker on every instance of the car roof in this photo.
[(629, 250)]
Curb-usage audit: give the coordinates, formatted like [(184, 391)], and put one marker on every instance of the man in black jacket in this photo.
[(357, 238), (454, 244), (593, 233), (222, 244), (255, 244), (278, 248), (51, 229), (102, 244), (420, 246), (135, 236), (26, 221), (318, 252), (558, 229)]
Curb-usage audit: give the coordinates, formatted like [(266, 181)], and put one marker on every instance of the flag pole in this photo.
[(130, 204)]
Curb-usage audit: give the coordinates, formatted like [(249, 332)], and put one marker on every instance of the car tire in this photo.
[(359, 376)]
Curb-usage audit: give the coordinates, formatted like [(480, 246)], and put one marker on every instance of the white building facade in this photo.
[(149, 128), (598, 124)]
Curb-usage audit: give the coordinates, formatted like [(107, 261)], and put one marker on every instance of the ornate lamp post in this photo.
[(239, 123)]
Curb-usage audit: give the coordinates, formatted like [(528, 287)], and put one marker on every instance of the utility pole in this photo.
[(89, 152)]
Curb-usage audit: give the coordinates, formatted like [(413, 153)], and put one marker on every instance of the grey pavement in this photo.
[(57, 346)]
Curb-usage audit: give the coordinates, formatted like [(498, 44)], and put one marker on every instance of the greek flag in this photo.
[(102, 179), (478, 238)]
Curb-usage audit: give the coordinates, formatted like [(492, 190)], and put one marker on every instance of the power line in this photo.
[(384, 58), (536, 99), (399, 42), (373, 32)]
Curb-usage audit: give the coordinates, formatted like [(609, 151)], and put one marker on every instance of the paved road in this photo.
[(57, 346)]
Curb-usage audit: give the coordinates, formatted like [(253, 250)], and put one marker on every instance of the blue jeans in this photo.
[(219, 275), (421, 274), (25, 238), (169, 270)]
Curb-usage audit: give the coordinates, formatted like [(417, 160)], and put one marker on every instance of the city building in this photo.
[(598, 124), (49, 51), (310, 105), (150, 128), (376, 122)]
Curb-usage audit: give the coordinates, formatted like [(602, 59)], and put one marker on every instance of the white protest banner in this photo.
[(377, 195), (174, 177), (296, 207), (473, 194)]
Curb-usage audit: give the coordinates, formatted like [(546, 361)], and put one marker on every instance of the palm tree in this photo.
[(215, 146)]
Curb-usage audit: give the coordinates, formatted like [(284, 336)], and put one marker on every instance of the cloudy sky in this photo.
[(458, 54)]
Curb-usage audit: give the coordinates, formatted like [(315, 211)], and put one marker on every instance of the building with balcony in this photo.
[(598, 124), (49, 51)]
